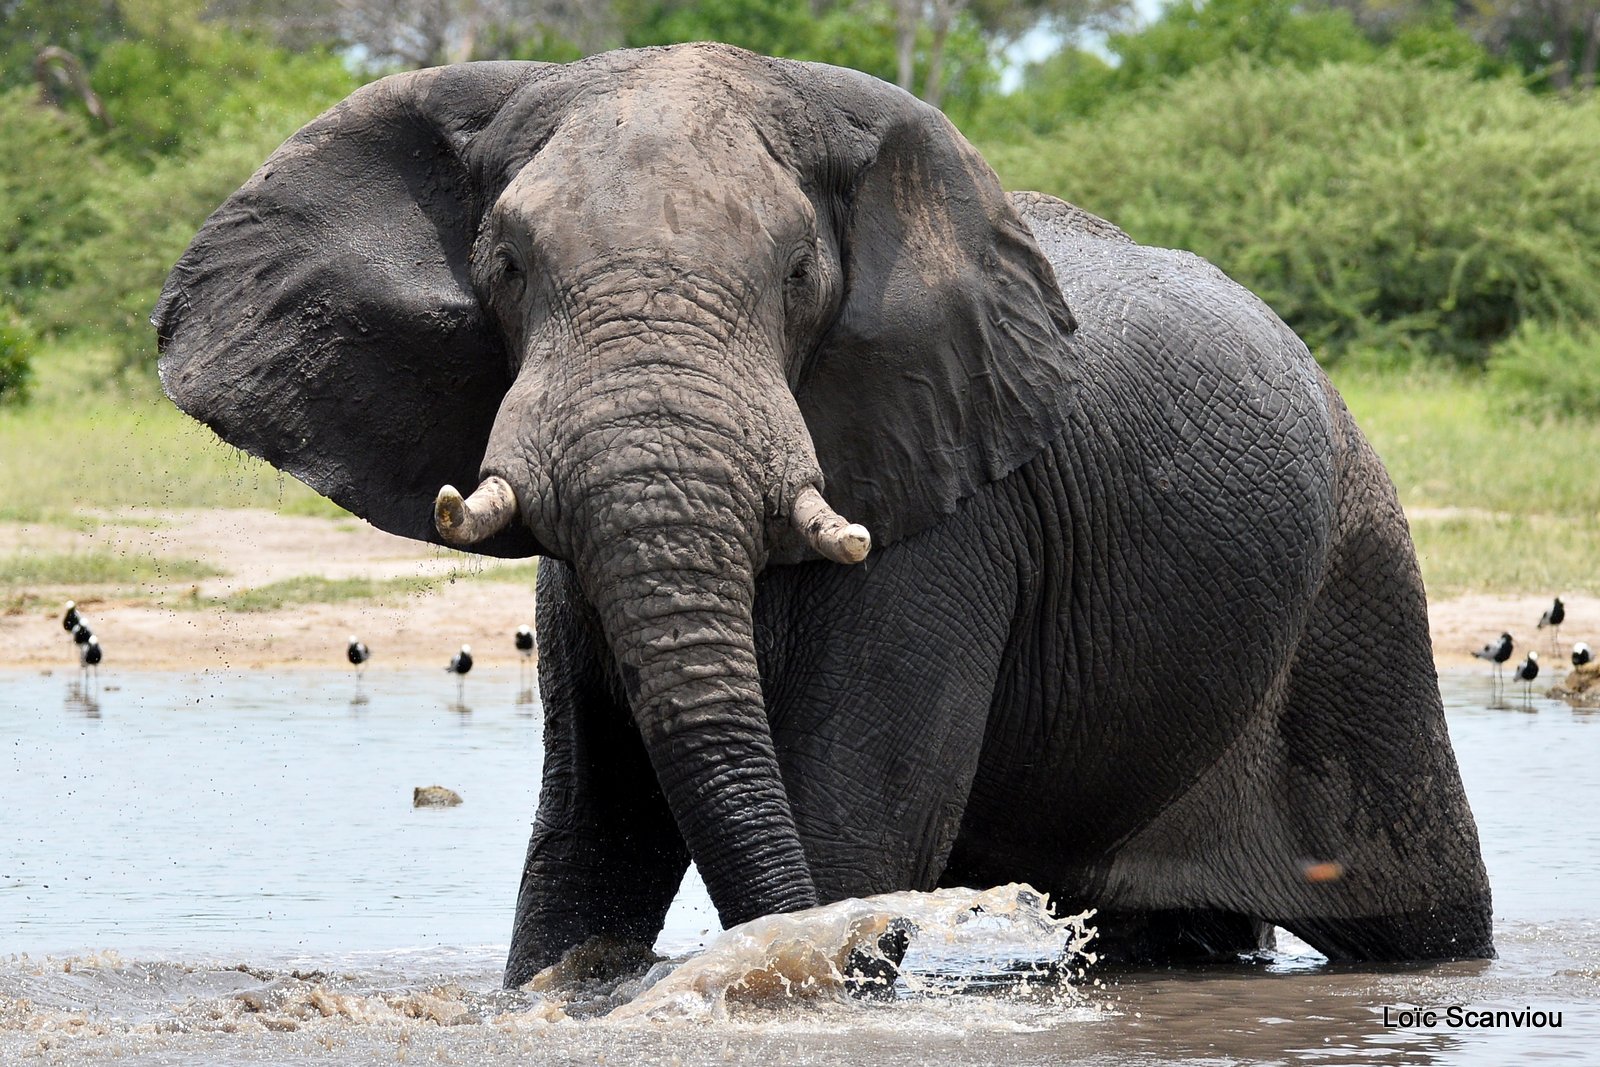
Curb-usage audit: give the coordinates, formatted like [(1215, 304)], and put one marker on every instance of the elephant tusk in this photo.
[(827, 531), (489, 509)]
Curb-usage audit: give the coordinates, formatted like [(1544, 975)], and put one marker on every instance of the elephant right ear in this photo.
[(323, 318)]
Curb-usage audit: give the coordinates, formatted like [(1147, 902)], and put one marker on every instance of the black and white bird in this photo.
[(81, 634), (460, 664), (357, 653), (90, 654), (1496, 652), (1582, 654), (1554, 616), (71, 618), (525, 641), (1527, 671)]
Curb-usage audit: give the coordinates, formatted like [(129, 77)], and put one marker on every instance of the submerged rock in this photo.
[(1581, 688), (434, 796)]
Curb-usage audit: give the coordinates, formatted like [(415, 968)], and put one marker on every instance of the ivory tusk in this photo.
[(827, 531), (489, 509)]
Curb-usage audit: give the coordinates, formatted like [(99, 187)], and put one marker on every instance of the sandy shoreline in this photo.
[(160, 626)]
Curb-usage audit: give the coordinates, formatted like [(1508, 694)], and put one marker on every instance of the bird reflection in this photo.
[(82, 700)]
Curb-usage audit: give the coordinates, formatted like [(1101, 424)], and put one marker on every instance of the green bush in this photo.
[(17, 343), (143, 225), (1391, 206), (166, 95), (49, 173), (177, 156), (1546, 370)]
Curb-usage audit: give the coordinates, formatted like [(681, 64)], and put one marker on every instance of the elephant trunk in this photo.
[(670, 564)]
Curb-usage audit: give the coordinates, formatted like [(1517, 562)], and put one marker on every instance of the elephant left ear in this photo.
[(324, 318), (946, 368)]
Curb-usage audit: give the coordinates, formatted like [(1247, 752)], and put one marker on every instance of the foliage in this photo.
[(859, 35), (1389, 205), (1549, 370), (1069, 84), (142, 227), (169, 93), (385, 34), (1196, 33), (124, 448), (1554, 44), (50, 170), (82, 27), (1439, 42), (99, 568), (1191, 34), (1449, 449), (17, 344), (1492, 507), (313, 589)]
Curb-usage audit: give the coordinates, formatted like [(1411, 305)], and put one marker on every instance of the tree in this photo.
[(926, 25), (82, 27), (1557, 39), (420, 33)]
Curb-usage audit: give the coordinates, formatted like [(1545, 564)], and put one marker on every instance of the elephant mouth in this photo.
[(493, 506)]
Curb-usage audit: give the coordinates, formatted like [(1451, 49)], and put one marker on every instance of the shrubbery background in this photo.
[(1399, 192)]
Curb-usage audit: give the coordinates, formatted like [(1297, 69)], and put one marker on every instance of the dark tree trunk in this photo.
[(1591, 54)]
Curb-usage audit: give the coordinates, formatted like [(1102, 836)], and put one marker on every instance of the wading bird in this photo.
[(1496, 652), (1527, 671), (1581, 654), (90, 655), (524, 641), (81, 634), (70, 619), (1553, 617), (357, 653), (460, 664)]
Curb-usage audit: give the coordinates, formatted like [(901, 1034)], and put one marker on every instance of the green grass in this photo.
[(1507, 554), (76, 448), (1446, 444), (1527, 493), (311, 589), (97, 568)]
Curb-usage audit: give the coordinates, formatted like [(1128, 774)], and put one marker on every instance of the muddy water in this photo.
[(228, 869)]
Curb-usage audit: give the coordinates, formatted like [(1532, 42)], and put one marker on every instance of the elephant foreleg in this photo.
[(605, 858)]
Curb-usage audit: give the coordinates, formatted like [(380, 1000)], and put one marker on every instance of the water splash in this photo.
[(898, 945)]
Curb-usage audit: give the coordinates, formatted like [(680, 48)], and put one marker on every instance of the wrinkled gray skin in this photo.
[(1141, 625)]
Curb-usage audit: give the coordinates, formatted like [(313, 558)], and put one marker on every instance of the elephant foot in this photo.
[(869, 974), (1458, 932), (1178, 937), (594, 969)]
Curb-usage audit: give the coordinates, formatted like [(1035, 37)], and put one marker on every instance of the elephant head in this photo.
[(654, 304)]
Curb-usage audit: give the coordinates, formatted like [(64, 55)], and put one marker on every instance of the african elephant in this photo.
[(1138, 620)]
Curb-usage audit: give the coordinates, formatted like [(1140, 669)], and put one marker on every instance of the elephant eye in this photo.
[(506, 260), (800, 270)]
